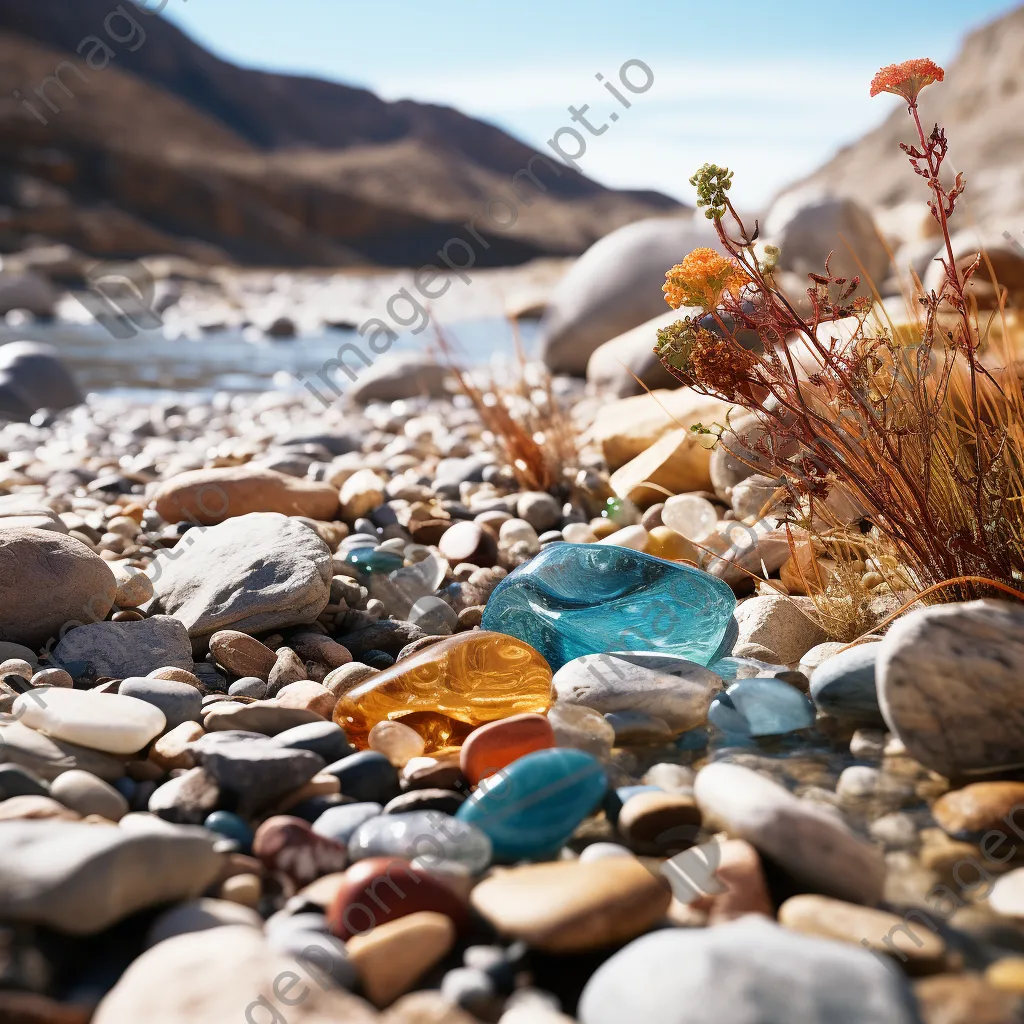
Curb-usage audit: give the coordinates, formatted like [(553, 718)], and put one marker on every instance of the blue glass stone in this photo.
[(761, 707), (225, 823), (577, 599), (531, 808), (373, 560)]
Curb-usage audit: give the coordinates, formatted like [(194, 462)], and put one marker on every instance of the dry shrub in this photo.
[(531, 427), (920, 423)]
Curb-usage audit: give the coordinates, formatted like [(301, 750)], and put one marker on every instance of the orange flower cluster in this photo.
[(703, 278), (907, 79)]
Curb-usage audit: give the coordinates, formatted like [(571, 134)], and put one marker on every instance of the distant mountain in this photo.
[(981, 106), (168, 148)]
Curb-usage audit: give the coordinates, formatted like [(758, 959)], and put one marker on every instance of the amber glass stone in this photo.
[(449, 688)]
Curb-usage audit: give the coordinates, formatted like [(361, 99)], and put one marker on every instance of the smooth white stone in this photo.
[(690, 515), (100, 721)]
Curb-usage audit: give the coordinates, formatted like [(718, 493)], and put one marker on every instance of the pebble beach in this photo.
[(288, 689)]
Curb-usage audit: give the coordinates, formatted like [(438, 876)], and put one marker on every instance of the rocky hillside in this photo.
[(168, 148), (981, 106)]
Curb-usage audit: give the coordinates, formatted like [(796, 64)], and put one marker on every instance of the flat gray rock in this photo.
[(122, 649), (258, 772), (949, 680), (812, 844), (80, 879), (250, 573), (670, 688), (749, 971), (49, 581)]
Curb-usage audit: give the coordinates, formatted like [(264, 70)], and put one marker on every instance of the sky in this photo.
[(769, 89)]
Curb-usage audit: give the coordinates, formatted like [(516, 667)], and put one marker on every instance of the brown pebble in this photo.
[(288, 668), (245, 889), (242, 654), (16, 667), (469, 542), (917, 948), (35, 808), (471, 617), (652, 517), (340, 680), (650, 822), (980, 807), (429, 531), (572, 907), (178, 675), (394, 956), (127, 615), (51, 677), (172, 750)]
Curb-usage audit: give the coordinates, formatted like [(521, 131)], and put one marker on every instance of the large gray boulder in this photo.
[(251, 573), (807, 229), (615, 286), (613, 367), (32, 377), (48, 581)]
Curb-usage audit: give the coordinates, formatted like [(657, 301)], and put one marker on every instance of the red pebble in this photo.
[(288, 845), (497, 744), (381, 889)]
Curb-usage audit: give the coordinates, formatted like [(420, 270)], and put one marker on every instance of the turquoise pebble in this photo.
[(373, 560), (531, 808), (231, 825), (761, 707), (577, 599)]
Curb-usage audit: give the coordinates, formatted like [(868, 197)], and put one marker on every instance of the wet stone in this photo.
[(761, 707), (453, 685), (531, 808), (430, 836), (631, 598)]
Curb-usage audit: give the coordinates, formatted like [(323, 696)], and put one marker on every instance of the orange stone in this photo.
[(448, 689), (491, 747)]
